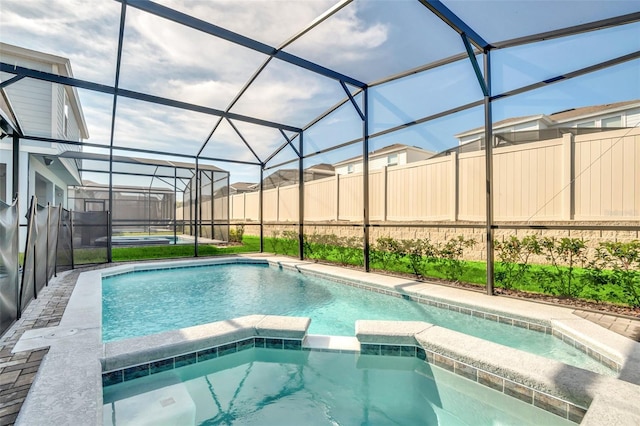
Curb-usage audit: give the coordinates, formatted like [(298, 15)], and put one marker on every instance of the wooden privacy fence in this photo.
[(585, 177)]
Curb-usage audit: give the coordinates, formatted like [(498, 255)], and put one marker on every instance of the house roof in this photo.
[(64, 69), (503, 123), (558, 117), (8, 119), (321, 167), (576, 113), (83, 155), (396, 147), (243, 186), (291, 175)]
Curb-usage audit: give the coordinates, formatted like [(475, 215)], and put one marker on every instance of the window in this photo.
[(612, 121), (65, 125), (65, 122), (392, 160), (587, 124), (350, 168)]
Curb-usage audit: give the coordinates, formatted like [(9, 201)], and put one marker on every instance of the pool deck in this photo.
[(50, 360)]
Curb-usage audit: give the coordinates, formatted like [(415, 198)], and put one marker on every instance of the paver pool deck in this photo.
[(50, 341)]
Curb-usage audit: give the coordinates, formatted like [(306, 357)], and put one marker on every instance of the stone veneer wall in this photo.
[(443, 234)]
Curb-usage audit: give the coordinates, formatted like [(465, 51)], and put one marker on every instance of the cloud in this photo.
[(346, 36), (271, 22), (84, 32), (169, 60)]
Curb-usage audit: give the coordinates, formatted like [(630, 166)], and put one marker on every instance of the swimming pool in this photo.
[(269, 387), (148, 302), (143, 240)]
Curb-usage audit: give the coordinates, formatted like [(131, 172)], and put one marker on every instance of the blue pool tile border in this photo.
[(114, 377), (141, 268)]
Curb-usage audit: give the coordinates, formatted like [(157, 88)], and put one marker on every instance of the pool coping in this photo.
[(77, 357)]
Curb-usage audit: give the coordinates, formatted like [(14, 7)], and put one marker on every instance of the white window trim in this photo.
[(620, 116)]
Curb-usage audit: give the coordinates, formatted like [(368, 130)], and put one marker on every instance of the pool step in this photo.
[(331, 343)]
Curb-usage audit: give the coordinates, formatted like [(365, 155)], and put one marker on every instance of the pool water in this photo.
[(148, 302), (278, 387)]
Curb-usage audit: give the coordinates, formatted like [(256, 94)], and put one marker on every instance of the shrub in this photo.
[(563, 255), (514, 257), (307, 246), (618, 263), (385, 252), (450, 261), (349, 250), (321, 245), (289, 242), (274, 241), (236, 235), (419, 254)]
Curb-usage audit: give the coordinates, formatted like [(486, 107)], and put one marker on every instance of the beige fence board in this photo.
[(237, 206), (607, 176), (288, 204), (378, 194), (471, 187), (350, 197), (320, 197), (252, 206)]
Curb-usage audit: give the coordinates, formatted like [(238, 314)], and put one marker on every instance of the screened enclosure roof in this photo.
[(238, 81), (164, 164)]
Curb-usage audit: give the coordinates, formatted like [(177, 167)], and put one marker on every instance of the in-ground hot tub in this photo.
[(259, 386)]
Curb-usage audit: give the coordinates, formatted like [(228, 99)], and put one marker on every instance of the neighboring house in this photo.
[(285, 177), (41, 109), (576, 120), (241, 188), (391, 155)]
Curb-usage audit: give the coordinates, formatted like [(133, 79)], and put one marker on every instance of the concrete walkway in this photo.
[(17, 371)]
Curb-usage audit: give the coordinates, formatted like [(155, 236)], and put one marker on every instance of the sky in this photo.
[(366, 40)]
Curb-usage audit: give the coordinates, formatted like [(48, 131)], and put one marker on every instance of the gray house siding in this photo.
[(32, 99)]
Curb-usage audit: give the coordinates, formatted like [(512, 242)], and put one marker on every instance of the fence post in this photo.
[(337, 197), (568, 188), (385, 194), (453, 215), (278, 203)]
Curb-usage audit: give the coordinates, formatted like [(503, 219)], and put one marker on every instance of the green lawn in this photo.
[(122, 254)]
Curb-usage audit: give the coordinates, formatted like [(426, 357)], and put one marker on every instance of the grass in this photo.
[(250, 244)]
